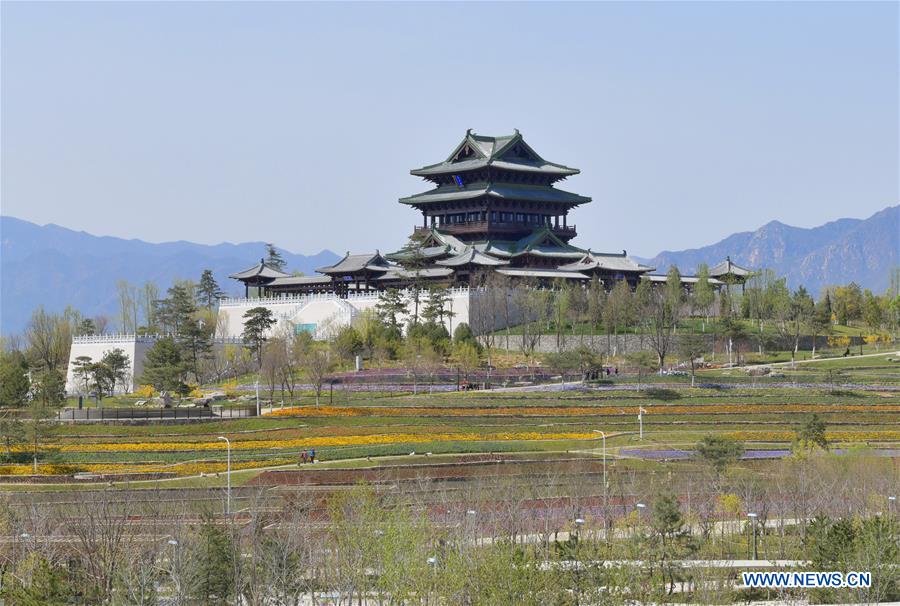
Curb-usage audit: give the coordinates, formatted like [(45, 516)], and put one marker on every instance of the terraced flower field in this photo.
[(472, 422)]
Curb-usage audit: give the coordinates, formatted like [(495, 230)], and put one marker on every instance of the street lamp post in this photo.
[(228, 474), (753, 517), (891, 500), (257, 396), (641, 412)]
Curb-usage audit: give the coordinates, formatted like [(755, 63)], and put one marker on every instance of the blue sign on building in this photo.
[(300, 328)]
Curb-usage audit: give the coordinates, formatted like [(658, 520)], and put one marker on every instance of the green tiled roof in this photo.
[(508, 191), (260, 270), (494, 151)]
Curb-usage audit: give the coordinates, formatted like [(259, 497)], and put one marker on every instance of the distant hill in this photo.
[(859, 250), (53, 266)]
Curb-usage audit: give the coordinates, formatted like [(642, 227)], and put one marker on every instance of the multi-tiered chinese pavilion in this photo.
[(494, 208)]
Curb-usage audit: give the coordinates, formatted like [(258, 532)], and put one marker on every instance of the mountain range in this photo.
[(864, 251), (53, 266)]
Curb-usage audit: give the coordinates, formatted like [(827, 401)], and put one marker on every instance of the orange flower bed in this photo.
[(357, 440)]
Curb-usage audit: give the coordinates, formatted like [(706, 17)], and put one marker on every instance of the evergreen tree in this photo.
[(274, 258), (436, 306), (208, 291), (86, 327), (390, 307), (719, 451), (164, 367), (49, 387), (117, 363), (257, 322), (214, 558), (14, 382)]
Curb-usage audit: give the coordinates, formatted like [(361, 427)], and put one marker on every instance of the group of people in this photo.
[(308, 456)]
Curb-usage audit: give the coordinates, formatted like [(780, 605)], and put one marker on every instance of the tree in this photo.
[(719, 452), (435, 309), (692, 347), (316, 365), (49, 337), (802, 310), (820, 320), (86, 328), (644, 362), (208, 291), (128, 306), (14, 381), (390, 307), (48, 387), (670, 541), (347, 343), (274, 258), (811, 434), (704, 295), (83, 372), (412, 259), (257, 322), (214, 559), (873, 311), (467, 356), (617, 312), (661, 312), (847, 303), (175, 311), (12, 431), (118, 365), (38, 428), (194, 338), (164, 367)]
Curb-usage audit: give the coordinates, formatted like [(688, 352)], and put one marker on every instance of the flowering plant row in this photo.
[(357, 440)]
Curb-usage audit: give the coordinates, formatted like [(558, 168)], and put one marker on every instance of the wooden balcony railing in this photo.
[(477, 227)]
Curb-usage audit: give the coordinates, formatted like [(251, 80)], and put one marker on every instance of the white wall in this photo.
[(324, 313), (327, 312), (97, 346)]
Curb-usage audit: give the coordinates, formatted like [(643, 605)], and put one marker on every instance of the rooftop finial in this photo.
[(262, 260), (468, 131), (517, 130)]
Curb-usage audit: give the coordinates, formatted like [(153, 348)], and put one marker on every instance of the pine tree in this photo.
[(257, 322), (274, 258), (208, 291), (390, 307), (164, 367)]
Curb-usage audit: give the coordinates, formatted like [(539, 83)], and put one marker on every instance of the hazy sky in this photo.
[(298, 123)]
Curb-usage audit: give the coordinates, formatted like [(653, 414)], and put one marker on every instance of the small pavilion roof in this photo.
[(508, 151), (356, 263), (259, 271), (499, 190), (727, 267), (471, 256)]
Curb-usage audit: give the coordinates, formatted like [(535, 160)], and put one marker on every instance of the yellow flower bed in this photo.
[(182, 469), (358, 440), (834, 436), (409, 411)]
